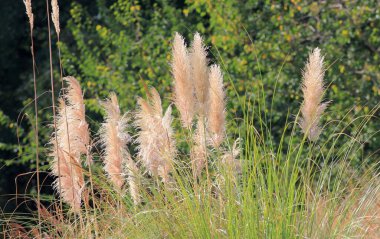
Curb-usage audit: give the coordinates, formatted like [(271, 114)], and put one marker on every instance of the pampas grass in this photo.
[(257, 187), (66, 165), (114, 138), (199, 149), (216, 117), (183, 86), (199, 74), (313, 89), (29, 12), (134, 182), (117, 159), (76, 117), (55, 16), (69, 144), (157, 148)]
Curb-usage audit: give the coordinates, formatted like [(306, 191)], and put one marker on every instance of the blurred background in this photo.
[(123, 45)]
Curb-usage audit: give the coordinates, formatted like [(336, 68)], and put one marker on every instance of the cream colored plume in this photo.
[(216, 110), (198, 153), (73, 140), (55, 15), (133, 180), (313, 90), (157, 148), (71, 180), (183, 86), (114, 138), (199, 73), (29, 13), (76, 115), (117, 159), (66, 164)]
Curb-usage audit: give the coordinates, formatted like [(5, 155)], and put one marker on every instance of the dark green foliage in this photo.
[(261, 46)]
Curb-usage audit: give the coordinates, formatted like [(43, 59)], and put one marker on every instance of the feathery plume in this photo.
[(199, 73), (313, 90), (73, 141), (76, 117), (66, 164), (216, 112), (55, 15), (144, 122), (133, 180), (198, 153), (156, 142), (29, 13), (183, 86), (114, 137)]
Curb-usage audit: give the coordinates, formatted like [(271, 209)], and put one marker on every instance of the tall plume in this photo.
[(114, 138), (73, 141), (29, 13), (133, 180), (55, 15), (199, 149), (66, 164), (183, 86), (199, 73), (216, 112), (313, 90), (76, 114), (157, 148)]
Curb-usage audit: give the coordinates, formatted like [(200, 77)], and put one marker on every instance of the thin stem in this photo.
[(53, 102), (92, 187), (36, 128)]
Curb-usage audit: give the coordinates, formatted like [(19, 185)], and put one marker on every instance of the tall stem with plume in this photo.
[(29, 13), (114, 137), (216, 117), (53, 102), (72, 141), (198, 153), (66, 165), (157, 148), (313, 90), (199, 74), (183, 86)]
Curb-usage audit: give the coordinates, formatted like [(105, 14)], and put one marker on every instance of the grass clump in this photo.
[(198, 180)]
